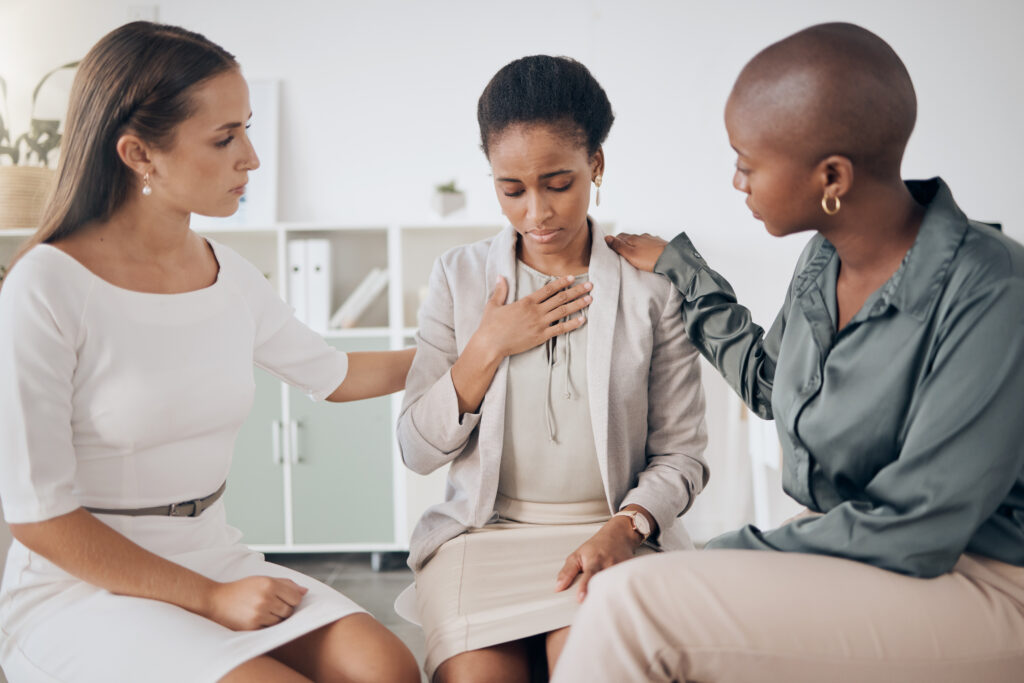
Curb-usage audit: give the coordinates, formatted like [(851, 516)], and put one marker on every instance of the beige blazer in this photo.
[(646, 400)]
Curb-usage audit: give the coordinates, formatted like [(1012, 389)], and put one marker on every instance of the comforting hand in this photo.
[(253, 602), (513, 328), (615, 542), (642, 251)]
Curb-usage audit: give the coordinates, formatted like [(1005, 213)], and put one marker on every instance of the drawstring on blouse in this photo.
[(552, 349)]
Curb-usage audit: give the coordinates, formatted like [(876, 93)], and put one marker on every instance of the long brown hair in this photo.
[(138, 78)]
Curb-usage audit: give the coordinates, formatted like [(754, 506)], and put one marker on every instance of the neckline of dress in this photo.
[(135, 292)]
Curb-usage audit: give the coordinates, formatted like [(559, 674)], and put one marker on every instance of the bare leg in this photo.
[(504, 663), (354, 649), (553, 644), (264, 670)]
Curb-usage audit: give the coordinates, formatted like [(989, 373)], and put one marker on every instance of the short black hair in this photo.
[(542, 89)]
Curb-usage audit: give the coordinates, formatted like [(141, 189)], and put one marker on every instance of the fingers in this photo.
[(565, 295), (551, 288), (581, 592), (563, 327), (567, 573), (290, 592), (280, 610), (567, 309), (500, 295)]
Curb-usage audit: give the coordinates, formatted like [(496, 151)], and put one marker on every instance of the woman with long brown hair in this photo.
[(127, 353)]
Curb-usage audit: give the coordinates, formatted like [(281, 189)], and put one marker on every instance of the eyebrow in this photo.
[(542, 177), (234, 124)]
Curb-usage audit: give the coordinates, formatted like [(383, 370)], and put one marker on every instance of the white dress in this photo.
[(112, 398)]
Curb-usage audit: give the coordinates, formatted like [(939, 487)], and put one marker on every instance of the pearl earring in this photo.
[(597, 182), (146, 189)]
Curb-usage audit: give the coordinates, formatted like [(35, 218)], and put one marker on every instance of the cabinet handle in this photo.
[(293, 451), (275, 441)]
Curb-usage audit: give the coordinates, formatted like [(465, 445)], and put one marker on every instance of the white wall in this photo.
[(379, 99)]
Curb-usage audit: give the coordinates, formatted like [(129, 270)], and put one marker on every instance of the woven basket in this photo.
[(24, 191)]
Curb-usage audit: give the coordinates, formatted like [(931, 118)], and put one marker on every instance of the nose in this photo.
[(250, 160), (537, 208), (739, 181)]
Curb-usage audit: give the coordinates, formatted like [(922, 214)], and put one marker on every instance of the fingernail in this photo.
[(570, 278), (588, 298), (588, 286)]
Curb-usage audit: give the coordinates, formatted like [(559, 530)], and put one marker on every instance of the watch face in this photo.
[(642, 525)]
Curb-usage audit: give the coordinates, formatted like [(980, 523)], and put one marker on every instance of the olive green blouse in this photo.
[(906, 428)]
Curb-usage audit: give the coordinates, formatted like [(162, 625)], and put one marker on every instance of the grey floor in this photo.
[(351, 574)]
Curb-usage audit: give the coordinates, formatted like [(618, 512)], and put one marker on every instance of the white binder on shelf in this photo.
[(297, 278), (309, 281), (318, 283), (360, 299)]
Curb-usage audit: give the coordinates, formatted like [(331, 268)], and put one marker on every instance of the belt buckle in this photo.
[(176, 506)]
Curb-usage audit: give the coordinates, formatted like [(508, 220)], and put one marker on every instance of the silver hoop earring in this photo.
[(146, 189)]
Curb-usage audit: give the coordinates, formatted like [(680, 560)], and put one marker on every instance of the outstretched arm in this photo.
[(373, 373), (959, 461), (720, 328)]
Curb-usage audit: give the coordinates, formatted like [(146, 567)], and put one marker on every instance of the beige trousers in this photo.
[(739, 616)]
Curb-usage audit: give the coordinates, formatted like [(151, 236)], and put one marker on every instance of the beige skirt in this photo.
[(497, 584)]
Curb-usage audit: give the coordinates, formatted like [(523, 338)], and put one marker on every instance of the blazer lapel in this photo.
[(601, 318), (501, 261)]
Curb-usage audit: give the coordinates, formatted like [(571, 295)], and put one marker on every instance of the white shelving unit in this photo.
[(327, 477)]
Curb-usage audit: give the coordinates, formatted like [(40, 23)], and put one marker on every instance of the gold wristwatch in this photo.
[(637, 521)]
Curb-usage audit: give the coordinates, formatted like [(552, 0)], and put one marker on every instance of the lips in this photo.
[(542, 236), (239, 190)]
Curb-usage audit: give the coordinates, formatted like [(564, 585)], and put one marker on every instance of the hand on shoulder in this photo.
[(642, 251)]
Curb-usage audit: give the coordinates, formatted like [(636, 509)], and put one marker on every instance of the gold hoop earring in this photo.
[(824, 205), (146, 189), (597, 182)]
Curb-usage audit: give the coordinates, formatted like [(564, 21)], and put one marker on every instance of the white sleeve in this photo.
[(37, 366), (284, 346), (299, 356)]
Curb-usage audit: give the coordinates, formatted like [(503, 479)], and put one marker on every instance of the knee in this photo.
[(395, 663), (623, 582), (363, 651)]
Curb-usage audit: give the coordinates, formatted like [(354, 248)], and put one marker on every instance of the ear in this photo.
[(835, 172), (134, 153), (597, 164)]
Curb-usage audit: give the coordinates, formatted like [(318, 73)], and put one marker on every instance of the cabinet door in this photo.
[(255, 492), (342, 489)]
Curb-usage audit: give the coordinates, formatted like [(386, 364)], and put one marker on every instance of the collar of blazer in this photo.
[(605, 273)]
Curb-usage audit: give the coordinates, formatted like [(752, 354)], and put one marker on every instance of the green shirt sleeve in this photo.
[(721, 329), (959, 460)]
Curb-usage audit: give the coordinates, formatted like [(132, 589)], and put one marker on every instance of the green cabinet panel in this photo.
[(342, 488), (255, 492)]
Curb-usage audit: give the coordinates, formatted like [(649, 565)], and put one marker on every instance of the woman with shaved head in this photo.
[(895, 375)]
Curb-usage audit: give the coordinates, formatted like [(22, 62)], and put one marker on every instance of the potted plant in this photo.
[(27, 162), (448, 198)]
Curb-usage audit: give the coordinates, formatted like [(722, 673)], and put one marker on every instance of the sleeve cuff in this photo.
[(664, 514), (340, 372), (436, 417), (680, 262)]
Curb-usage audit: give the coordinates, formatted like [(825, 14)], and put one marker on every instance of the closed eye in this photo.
[(227, 141), (560, 188)]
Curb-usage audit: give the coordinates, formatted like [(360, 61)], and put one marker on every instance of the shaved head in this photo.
[(830, 89)]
